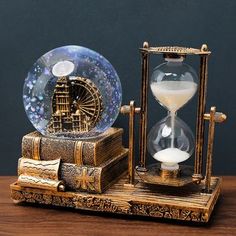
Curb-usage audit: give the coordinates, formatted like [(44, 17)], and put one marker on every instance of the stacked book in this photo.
[(90, 165)]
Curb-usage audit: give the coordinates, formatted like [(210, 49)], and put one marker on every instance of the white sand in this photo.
[(171, 155), (173, 94), (172, 115)]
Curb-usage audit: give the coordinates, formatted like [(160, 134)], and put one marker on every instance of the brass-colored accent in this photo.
[(187, 204), (131, 142), (145, 45), (197, 176), (204, 48), (143, 112), (36, 148), (131, 110), (219, 117), (169, 174), (213, 117), (39, 174), (77, 105), (210, 149), (175, 50), (157, 176), (78, 152), (85, 181), (61, 187), (125, 109)]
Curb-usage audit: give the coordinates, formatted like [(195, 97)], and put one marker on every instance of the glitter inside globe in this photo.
[(72, 92)]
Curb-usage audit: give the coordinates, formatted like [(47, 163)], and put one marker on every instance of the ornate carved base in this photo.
[(187, 203)]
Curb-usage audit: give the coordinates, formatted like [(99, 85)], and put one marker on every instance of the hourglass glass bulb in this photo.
[(170, 141), (173, 83)]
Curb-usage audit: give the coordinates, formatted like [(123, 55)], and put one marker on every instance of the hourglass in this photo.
[(171, 141)]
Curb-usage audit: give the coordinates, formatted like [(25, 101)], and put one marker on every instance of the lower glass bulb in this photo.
[(170, 141)]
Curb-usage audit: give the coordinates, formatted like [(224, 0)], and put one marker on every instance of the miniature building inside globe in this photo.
[(77, 105)]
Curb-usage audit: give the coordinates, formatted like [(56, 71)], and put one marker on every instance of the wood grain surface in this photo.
[(34, 220)]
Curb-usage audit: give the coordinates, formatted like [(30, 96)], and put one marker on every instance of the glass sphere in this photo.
[(173, 83), (72, 92), (170, 141)]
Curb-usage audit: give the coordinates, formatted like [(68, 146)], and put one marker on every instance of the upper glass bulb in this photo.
[(173, 83), (72, 92)]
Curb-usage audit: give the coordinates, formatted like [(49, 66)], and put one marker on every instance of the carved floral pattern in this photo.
[(97, 204), (167, 212), (40, 198), (107, 205)]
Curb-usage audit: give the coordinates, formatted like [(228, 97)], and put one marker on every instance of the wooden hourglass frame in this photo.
[(150, 175)]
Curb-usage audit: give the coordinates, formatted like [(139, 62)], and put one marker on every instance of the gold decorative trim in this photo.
[(85, 181), (169, 174), (36, 148), (94, 154), (78, 153), (176, 50)]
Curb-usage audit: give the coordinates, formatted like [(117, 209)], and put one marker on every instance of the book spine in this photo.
[(106, 150), (94, 179)]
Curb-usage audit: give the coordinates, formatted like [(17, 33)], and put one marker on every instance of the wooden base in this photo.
[(186, 203)]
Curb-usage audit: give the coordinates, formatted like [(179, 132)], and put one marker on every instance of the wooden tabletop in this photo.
[(36, 220)]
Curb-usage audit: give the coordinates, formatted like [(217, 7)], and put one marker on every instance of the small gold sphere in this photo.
[(146, 44), (61, 188), (204, 48)]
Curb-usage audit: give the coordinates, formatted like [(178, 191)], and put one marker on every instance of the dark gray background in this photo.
[(116, 29)]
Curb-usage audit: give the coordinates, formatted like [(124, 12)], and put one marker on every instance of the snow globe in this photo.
[(72, 92)]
